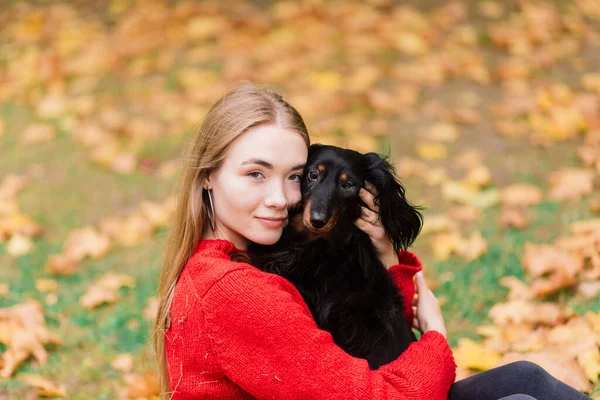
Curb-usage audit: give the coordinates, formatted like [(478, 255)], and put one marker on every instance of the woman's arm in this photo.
[(267, 342), (403, 274)]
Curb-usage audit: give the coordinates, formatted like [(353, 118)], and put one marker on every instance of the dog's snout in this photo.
[(318, 219)]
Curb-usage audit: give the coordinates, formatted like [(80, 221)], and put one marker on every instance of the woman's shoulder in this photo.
[(211, 263)]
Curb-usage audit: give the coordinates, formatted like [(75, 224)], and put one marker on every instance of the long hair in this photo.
[(236, 112)]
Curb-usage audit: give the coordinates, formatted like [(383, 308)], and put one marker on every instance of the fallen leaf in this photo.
[(151, 309), (24, 333), (61, 264), (45, 387), (86, 242), (123, 362), (431, 151), (472, 247), (442, 132), (19, 245), (513, 218), (141, 386), (571, 183), (38, 133), (46, 285), (473, 355), (525, 312), (521, 194), (105, 290)]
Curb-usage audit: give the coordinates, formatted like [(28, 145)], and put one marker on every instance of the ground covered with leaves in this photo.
[(490, 111)]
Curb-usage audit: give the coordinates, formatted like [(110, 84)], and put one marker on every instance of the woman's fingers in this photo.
[(415, 323), (367, 195), (370, 216)]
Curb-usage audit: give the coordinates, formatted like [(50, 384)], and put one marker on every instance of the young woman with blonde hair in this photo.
[(226, 330)]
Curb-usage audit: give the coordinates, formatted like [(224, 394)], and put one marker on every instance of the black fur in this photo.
[(336, 268)]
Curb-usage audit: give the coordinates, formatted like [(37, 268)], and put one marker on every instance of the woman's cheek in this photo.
[(294, 194)]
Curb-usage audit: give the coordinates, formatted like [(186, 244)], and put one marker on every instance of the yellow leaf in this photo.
[(19, 245), (443, 132), (123, 362), (431, 151), (4, 289), (105, 290), (46, 285), (474, 356), (86, 242), (325, 80), (45, 387), (521, 194)]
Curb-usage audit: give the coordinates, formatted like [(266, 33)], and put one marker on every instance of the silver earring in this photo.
[(211, 213)]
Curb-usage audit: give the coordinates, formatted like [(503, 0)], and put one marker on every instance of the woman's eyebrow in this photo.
[(259, 162), (269, 165)]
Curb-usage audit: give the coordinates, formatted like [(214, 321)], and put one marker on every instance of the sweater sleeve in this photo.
[(402, 274), (266, 342)]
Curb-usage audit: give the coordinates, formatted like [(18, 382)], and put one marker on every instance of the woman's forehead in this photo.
[(277, 146)]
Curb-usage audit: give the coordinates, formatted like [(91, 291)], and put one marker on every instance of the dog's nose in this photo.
[(318, 220)]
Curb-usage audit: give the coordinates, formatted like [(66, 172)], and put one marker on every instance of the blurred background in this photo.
[(488, 109)]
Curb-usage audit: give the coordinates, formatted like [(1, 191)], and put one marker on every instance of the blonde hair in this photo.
[(236, 112)]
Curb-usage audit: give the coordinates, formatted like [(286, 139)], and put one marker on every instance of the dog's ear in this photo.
[(401, 220)]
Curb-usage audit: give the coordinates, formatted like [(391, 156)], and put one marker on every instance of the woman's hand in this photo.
[(370, 224), (429, 314)]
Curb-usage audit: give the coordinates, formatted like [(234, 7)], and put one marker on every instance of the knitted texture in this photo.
[(239, 333)]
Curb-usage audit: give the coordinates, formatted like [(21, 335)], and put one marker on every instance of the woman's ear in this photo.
[(401, 220), (207, 183)]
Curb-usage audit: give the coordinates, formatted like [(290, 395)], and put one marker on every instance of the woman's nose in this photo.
[(276, 197)]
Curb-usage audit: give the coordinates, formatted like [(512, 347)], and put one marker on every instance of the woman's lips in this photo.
[(271, 222)]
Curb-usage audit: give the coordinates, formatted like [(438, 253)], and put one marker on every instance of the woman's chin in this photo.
[(266, 238)]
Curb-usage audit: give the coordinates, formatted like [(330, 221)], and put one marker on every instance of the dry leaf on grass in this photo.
[(60, 264), (19, 245), (151, 309), (521, 194), (123, 362), (45, 387), (524, 312), (46, 285), (473, 355), (86, 242), (140, 386), (4, 289), (105, 290), (38, 133), (23, 331), (571, 183), (513, 218), (431, 151)]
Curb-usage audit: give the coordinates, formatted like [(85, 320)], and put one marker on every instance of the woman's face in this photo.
[(259, 179)]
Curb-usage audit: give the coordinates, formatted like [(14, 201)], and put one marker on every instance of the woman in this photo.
[(226, 330)]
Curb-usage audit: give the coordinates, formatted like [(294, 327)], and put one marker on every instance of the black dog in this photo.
[(334, 265)]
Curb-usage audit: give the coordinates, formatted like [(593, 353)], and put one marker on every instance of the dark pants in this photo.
[(521, 380)]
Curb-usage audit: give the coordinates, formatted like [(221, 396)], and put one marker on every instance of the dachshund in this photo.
[(334, 265)]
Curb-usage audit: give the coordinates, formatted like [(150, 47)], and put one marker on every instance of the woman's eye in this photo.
[(296, 178), (256, 174), (313, 175)]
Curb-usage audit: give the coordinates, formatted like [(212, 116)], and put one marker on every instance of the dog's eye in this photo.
[(347, 185), (313, 175)]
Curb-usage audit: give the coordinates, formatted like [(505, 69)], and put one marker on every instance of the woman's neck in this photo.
[(238, 241)]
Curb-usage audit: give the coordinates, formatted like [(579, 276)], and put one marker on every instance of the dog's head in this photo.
[(330, 191)]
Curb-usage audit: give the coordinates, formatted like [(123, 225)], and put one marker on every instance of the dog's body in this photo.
[(334, 265)]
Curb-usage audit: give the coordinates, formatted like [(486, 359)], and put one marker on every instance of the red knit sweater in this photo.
[(239, 333)]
